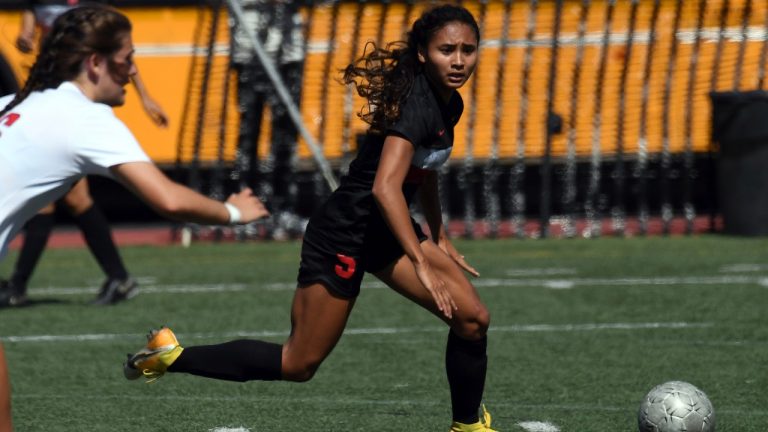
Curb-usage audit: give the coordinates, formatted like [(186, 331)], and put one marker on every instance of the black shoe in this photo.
[(116, 290), (12, 295)]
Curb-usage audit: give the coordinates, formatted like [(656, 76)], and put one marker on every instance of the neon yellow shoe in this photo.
[(152, 361), (484, 425)]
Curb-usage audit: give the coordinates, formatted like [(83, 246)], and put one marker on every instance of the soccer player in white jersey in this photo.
[(60, 127), (38, 18)]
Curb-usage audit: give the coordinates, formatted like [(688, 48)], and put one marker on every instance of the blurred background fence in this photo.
[(583, 117)]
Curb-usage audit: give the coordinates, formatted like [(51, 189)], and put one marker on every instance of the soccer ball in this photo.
[(676, 406)]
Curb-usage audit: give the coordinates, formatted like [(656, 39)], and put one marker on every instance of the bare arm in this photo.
[(25, 41), (178, 202), (388, 192), (151, 107), (429, 197)]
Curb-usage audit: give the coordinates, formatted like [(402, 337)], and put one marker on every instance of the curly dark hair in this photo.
[(385, 75), (75, 35)]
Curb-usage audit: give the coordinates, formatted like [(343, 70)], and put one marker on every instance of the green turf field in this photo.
[(581, 330)]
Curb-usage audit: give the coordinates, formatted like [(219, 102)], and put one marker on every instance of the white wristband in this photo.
[(234, 213)]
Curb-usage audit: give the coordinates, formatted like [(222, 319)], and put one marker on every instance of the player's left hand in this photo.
[(458, 258)]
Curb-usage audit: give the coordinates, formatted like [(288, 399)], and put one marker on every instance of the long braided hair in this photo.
[(385, 75), (75, 35)]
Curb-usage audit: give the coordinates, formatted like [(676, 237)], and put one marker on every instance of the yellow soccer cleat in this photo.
[(484, 425), (152, 361)]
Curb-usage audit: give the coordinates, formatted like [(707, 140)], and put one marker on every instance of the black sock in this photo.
[(466, 363), (38, 230), (97, 235), (238, 360)]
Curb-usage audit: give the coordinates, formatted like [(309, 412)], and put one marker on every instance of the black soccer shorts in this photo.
[(340, 265)]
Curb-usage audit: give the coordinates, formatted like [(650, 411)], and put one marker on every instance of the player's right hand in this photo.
[(437, 288), (251, 208)]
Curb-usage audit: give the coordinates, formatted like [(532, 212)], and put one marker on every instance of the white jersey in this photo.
[(47, 143)]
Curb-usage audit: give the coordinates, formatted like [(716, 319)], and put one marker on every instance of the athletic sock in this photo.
[(239, 360), (97, 235), (37, 232), (466, 363)]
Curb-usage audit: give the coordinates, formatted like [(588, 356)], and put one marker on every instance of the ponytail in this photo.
[(75, 35)]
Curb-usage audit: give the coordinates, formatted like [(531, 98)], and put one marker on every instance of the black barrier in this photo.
[(740, 127)]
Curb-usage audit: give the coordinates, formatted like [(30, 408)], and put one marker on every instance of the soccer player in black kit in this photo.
[(365, 226)]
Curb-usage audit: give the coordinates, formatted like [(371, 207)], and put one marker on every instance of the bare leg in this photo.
[(465, 357), (48, 209), (470, 321), (318, 319), (78, 199), (5, 395)]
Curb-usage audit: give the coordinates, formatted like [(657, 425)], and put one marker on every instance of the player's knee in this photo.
[(300, 371), (77, 203), (481, 321), (474, 326)]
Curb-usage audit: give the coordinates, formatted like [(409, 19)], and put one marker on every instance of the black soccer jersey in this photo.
[(425, 121), (347, 234)]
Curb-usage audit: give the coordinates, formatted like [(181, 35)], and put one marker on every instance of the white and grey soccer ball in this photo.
[(676, 406)]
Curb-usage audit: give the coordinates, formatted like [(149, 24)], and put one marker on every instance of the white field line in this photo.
[(743, 268), (559, 283), (537, 426), (548, 271), (623, 281), (227, 429), (522, 328)]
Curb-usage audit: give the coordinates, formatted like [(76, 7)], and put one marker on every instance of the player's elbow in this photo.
[(381, 191), (170, 207)]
